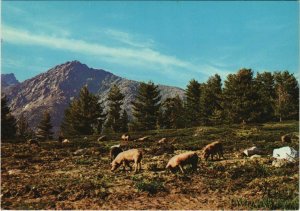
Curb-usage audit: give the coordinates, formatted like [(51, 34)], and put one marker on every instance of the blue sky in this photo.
[(166, 42)]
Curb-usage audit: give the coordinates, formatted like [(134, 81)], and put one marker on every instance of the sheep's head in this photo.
[(114, 166)]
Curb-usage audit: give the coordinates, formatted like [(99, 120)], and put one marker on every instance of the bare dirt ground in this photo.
[(53, 177)]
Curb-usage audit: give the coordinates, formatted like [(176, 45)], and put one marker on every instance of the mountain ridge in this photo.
[(54, 89)]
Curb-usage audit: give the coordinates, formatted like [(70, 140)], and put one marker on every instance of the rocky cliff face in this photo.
[(54, 89)]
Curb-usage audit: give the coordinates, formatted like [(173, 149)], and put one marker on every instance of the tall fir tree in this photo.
[(287, 96), (115, 101), (192, 106), (84, 116), (266, 94), (124, 121), (146, 107), (23, 129), (8, 121), (44, 128), (172, 113), (241, 100), (211, 100)]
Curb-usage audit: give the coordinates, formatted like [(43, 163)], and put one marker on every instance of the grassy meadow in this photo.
[(57, 176)]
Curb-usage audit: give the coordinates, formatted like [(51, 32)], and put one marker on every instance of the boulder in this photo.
[(287, 153)]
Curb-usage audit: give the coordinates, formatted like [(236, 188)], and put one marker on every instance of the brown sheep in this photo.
[(212, 149), (125, 137), (114, 151), (132, 155), (33, 142), (183, 159), (286, 139)]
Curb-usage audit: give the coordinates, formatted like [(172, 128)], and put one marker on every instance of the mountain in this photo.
[(54, 89), (8, 80)]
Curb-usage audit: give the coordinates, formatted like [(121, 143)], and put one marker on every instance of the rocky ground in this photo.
[(77, 175)]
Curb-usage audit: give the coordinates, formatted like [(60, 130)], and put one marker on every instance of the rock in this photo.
[(162, 141), (102, 138), (80, 152), (252, 151), (66, 141), (145, 138), (255, 156), (287, 153)]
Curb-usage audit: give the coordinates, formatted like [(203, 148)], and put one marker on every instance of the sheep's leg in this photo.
[(135, 167), (124, 165), (181, 169)]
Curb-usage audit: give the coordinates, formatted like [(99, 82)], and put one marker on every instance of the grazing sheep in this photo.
[(114, 151), (125, 137), (33, 142), (66, 141), (132, 155), (102, 138), (183, 159), (286, 139), (212, 149)]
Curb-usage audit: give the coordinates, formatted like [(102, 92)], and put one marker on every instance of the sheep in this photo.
[(125, 137), (114, 151), (212, 149), (286, 139), (66, 141), (33, 142), (183, 159), (132, 155)]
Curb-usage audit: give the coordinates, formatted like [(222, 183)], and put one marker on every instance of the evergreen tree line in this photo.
[(242, 98)]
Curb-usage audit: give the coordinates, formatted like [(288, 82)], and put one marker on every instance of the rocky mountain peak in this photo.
[(8, 80)]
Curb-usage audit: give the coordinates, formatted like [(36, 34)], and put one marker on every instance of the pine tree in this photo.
[(84, 116), (146, 107), (241, 101), (23, 129), (287, 96), (124, 121), (266, 92), (192, 107), (211, 100), (44, 127), (172, 113), (115, 101), (8, 122)]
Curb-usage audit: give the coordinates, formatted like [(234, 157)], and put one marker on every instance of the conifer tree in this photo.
[(23, 129), (8, 122), (84, 116), (124, 121), (192, 107), (241, 101), (211, 100), (44, 127), (266, 94), (287, 96), (172, 113), (146, 107), (115, 101)]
